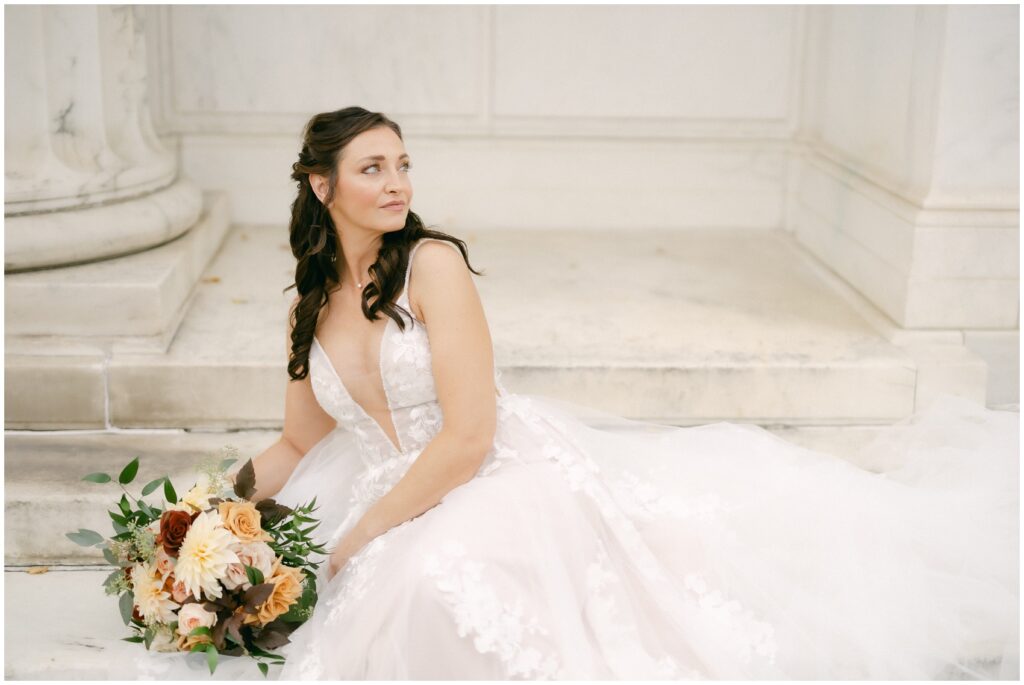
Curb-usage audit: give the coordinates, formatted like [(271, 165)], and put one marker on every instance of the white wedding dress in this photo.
[(590, 546)]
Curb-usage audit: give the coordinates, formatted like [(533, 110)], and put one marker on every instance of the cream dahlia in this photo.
[(205, 554), (154, 603)]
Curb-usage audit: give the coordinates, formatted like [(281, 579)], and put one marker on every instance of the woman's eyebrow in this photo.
[(381, 157)]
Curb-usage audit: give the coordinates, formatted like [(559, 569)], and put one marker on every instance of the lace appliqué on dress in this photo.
[(497, 627), (617, 630), (354, 580), (756, 637)]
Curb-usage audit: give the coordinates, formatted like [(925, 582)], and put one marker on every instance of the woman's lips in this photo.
[(394, 208)]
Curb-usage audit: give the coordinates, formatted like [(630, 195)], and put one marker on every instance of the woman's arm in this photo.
[(305, 424), (463, 365), (273, 467)]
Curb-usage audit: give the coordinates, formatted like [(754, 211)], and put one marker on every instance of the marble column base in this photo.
[(130, 302), (69, 237)]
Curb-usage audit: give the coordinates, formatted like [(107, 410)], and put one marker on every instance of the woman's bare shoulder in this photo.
[(436, 265)]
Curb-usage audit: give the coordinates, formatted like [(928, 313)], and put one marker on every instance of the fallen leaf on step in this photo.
[(212, 279), (35, 570)]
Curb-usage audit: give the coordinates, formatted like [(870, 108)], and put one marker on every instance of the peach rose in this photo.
[(243, 519), (192, 616), (287, 582), (164, 562), (178, 591), (256, 554)]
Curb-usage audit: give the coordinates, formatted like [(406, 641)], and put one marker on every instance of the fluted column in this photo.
[(86, 178)]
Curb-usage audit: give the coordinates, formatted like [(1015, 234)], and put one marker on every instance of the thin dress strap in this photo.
[(408, 268)]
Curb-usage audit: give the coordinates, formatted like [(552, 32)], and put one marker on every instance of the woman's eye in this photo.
[(407, 165)]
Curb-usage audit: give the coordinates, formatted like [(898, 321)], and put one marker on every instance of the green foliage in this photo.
[(169, 494), (211, 658), (85, 537), (151, 486), (125, 604), (128, 472), (254, 575)]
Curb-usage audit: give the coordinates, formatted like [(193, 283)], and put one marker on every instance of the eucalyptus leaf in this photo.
[(211, 658), (151, 486), (85, 537), (125, 604), (97, 478), (128, 472), (169, 494)]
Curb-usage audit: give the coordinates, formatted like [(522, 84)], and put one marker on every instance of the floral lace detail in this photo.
[(425, 421), (497, 627), (757, 637), (618, 632), (644, 500), (354, 580), (377, 479), (328, 391), (583, 474), (499, 455)]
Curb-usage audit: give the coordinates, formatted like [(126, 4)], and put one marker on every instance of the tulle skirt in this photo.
[(592, 546)]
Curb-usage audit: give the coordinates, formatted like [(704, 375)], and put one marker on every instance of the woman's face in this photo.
[(373, 172)]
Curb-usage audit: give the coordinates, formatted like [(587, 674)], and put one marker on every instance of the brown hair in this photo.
[(314, 238)]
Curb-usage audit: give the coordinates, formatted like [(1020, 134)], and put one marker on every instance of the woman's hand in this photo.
[(348, 547), (336, 563)]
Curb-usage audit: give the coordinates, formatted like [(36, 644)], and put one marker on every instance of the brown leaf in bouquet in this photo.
[(254, 597), (245, 481)]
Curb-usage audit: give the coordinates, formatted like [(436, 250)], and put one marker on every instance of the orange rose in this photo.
[(243, 520), (287, 582)]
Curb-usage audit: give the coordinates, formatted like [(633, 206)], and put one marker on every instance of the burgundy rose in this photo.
[(174, 525)]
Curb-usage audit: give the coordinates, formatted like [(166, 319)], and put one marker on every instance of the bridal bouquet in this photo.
[(208, 572)]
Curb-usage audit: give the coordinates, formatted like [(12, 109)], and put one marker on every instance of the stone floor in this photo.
[(83, 641), (679, 327)]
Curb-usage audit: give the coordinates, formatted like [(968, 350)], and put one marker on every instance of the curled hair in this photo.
[(314, 238)]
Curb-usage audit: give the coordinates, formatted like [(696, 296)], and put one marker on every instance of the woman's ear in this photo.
[(319, 184)]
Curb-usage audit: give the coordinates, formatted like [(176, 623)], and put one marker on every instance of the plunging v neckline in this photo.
[(383, 383)]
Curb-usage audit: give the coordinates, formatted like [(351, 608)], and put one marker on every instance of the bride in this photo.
[(475, 533)]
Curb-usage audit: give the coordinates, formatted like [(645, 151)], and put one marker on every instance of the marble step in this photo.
[(61, 626), (83, 642), (46, 498), (679, 327)]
